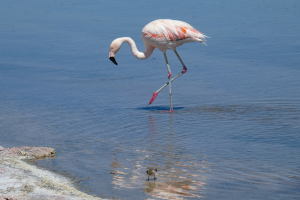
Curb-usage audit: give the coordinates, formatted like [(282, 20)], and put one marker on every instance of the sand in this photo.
[(21, 181)]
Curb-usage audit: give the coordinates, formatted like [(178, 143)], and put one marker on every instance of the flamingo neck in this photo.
[(139, 55)]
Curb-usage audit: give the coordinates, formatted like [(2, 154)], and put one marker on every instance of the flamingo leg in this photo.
[(183, 65), (165, 85), (169, 77)]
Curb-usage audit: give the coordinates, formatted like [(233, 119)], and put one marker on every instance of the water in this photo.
[(235, 130)]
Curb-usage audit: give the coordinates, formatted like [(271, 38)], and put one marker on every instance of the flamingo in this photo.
[(163, 34)]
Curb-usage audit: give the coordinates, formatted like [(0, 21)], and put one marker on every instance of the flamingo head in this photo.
[(114, 48)]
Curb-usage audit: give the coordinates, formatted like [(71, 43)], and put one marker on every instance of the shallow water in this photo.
[(234, 133)]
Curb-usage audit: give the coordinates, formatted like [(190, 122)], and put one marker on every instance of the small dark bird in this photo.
[(151, 172)]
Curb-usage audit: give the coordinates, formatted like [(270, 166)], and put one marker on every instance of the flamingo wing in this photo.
[(171, 30)]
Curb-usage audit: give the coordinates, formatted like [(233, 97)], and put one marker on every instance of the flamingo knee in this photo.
[(184, 70)]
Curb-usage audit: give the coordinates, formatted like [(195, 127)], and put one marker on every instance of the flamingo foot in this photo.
[(184, 70), (153, 98), (170, 111)]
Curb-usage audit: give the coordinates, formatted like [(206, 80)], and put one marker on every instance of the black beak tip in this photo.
[(113, 60)]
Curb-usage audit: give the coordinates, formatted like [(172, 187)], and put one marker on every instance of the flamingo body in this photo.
[(168, 34), (163, 34)]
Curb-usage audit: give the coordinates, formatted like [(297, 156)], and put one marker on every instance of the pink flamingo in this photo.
[(163, 34)]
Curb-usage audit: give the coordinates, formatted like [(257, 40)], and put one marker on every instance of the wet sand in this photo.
[(21, 181)]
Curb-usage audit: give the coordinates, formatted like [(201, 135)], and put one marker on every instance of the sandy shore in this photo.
[(21, 181)]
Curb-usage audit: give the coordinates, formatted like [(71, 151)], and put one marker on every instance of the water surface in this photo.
[(234, 133)]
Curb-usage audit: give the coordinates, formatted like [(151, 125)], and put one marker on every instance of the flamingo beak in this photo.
[(113, 60)]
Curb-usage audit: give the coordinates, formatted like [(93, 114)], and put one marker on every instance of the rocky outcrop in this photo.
[(26, 152), (21, 181)]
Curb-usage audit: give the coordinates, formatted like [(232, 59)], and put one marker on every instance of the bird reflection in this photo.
[(170, 190), (179, 175)]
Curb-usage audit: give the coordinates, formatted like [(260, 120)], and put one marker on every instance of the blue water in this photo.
[(235, 130)]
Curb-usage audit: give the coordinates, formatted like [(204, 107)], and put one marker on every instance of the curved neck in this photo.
[(139, 55)]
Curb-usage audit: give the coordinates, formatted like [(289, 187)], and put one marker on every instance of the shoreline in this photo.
[(22, 181)]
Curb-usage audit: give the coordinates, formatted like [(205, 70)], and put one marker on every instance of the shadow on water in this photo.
[(236, 109), (159, 108)]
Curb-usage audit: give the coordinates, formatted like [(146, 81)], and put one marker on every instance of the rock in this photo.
[(22, 181), (27, 152), (1, 148), (6, 198)]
